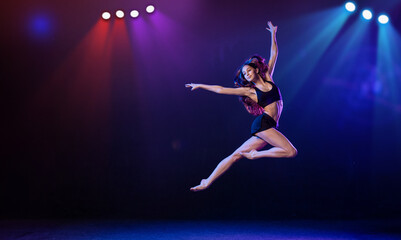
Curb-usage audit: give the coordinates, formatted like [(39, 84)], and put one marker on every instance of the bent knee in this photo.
[(292, 152)]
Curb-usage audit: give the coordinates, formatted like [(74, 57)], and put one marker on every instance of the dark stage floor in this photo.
[(252, 230)]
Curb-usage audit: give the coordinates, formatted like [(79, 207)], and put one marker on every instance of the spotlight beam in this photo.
[(315, 41)]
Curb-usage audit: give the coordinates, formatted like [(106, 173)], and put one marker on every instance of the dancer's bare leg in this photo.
[(282, 147), (225, 164)]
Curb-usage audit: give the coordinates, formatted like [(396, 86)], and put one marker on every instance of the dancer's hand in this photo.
[(250, 155), (202, 186), (193, 86), (271, 28)]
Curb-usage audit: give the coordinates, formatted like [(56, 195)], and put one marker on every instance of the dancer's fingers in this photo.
[(197, 188)]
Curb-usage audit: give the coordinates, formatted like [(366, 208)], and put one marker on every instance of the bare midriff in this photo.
[(274, 110)]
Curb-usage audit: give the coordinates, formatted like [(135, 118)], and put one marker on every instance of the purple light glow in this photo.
[(168, 32), (141, 40)]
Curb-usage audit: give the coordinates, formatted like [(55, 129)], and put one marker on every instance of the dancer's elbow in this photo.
[(293, 153)]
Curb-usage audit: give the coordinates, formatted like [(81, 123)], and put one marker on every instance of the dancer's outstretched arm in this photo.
[(273, 49), (241, 91)]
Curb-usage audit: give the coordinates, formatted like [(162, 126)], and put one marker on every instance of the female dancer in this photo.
[(260, 96)]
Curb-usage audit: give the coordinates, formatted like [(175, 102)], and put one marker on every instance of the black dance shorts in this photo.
[(261, 123)]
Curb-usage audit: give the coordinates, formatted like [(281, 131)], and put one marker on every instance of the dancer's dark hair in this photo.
[(256, 62)]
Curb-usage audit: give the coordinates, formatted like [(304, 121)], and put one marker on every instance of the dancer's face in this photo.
[(249, 73)]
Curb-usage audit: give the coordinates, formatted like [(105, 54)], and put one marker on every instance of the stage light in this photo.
[(106, 15), (367, 14), (350, 6), (134, 13), (150, 9), (120, 14), (383, 19)]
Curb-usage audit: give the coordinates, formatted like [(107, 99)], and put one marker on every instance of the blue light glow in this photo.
[(40, 26)]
